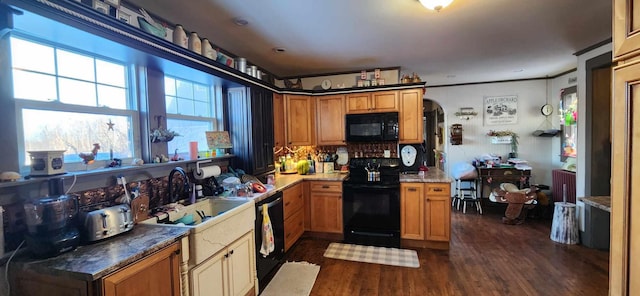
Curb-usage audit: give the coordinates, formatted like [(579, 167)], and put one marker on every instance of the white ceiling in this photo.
[(469, 41)]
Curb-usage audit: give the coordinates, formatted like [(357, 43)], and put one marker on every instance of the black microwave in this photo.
[(372, 127)]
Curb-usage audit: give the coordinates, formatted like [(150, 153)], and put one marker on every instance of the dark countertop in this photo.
[(601, 202), (91, 262), (433, 175)]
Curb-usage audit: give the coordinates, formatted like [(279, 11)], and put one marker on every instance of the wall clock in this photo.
[(326, 84), (546, 109)]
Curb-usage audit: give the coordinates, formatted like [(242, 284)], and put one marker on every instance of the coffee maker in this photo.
[(51, 225)]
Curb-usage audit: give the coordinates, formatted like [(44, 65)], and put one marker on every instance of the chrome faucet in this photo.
[(186, 187)]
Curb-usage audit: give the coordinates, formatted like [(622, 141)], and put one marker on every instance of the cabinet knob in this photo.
[(412, 189), (325, 186), (437, 189)]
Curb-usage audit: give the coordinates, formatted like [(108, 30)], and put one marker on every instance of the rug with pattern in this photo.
[(371, 254)]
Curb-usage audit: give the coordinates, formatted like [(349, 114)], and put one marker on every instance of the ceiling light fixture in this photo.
[(435, 4)]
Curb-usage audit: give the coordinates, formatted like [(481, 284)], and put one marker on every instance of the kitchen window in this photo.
[(192, 109), (68, 100)]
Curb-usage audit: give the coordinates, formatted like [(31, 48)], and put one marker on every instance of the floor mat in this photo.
[(293, 278), (371, 254)]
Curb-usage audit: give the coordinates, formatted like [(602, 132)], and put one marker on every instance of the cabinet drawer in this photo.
[(293, 229), (443, 189), (326, 186), (293, 198)]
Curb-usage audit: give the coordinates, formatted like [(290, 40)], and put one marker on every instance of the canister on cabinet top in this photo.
[(242, 65)]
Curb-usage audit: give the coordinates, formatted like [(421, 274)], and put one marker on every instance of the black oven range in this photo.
[(371, 202)]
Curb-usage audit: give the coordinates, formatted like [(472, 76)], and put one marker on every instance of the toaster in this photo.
[(107, 222)]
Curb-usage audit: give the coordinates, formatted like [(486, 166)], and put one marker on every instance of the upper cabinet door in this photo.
[(384, 101), (300, 119), (278, 120), (626, 31), (411, 126), (330, 125), (358, 103)]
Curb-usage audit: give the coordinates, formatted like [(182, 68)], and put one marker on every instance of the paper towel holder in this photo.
[(197, 172)]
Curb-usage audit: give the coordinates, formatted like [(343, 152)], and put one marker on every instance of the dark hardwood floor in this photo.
[(486, 258)]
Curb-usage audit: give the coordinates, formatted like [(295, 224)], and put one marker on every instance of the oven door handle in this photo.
[(271, 204), (372, 186)]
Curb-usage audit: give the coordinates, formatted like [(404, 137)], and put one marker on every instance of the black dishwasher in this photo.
[(265, 265)]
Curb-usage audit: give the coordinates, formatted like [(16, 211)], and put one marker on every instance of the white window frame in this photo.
[(132, 111)]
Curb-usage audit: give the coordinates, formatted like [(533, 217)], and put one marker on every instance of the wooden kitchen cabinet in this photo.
[(330, 126), (326, 206), (231, 271), (626, 40), (299, 120), (438, 212), (412, 211), (279, 139), (425, 214), (410, 117), (158, 274), (380, 101), (624, 263), (251, 128), (293, 198), (155, 274)]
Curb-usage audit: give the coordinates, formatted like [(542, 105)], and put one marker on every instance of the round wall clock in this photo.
[(326, 84), (546, 109)]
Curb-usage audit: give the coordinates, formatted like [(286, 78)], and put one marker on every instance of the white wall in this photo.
[(531, 96)]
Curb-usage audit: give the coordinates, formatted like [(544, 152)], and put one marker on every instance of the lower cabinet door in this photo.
[(438, 218), (210, 277), (293, 229), (412, 211), (242, 271), (157, 274), (229, 272)]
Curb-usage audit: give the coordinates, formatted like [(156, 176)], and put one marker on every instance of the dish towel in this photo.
[(267, 233)]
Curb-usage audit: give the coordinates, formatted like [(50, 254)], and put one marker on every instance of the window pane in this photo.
[(75, 66), (32, 56), (185, 107), (77, 92), (172, 105), (202, 109), (185, 89), (110, 73), (201, 92), (23, 83), (113, 97), (169, 86), (189, 130), (45, 130)]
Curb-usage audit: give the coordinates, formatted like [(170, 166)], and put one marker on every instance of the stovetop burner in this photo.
[(359, 168)]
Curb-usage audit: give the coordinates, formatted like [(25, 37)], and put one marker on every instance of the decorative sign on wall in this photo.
[(500, 110)]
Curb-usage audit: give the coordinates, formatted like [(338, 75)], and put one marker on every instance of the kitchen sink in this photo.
[(225, 221)]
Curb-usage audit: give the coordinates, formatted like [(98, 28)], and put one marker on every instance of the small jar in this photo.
[(195, 44), (241, 65), (180, 36)]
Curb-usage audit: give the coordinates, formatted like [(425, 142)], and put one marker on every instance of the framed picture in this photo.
[(124, 17), (115, 3), (101, 6), (500, 110)]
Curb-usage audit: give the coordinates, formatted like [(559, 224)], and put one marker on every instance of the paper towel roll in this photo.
[(206, 172)]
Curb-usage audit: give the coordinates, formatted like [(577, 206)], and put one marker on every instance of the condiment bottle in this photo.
[(179, 36)]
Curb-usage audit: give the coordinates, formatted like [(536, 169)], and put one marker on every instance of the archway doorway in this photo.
[(433, 121)]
